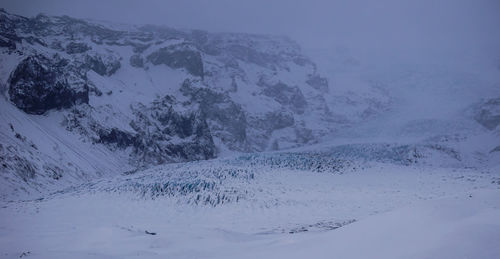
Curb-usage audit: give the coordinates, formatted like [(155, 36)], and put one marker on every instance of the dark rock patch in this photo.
[(7, 43), (488, 114), (227, 119), (165, 135), (106, 66), (39, 84), (136, 61), (179, 56), (286, 95), (317, 82), (117, 137), (76, 47)]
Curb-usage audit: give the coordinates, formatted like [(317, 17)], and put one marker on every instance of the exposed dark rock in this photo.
[(280, 120), (159, 134), (445, 150), (19, 165), (179, 56), (8, 35), (139, 48), (164, 135), (39, 84), (165, 130), (317, 82), (301, 61), (76, 47), (95, 90), (286, 95), (117, 137), (53, 171), (251, 55), (262, 128), (228, 120), (200, 37), (136, 61), (106, 66), (488, 114), (274, 121), (304, 135), (7, 43), (33, 40), (496, 149), (57, 45)]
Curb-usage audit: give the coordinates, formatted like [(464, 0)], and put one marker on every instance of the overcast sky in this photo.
[(402, 26)]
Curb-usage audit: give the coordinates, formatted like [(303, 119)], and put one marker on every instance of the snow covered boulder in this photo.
[(39, 84)]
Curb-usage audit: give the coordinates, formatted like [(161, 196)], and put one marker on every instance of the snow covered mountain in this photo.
[(124, 141), (83, 98)]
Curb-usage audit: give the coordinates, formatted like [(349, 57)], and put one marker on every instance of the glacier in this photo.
[(146, 141)]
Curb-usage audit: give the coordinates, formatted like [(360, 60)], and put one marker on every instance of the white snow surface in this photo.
[(382, 211)]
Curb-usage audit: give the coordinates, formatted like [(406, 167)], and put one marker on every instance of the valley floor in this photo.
[(382, 211)]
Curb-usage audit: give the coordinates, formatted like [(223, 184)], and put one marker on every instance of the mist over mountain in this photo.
[(206, 129)]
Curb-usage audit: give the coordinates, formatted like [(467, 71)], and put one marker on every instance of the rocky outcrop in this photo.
[(274, 121), (495, 149), (76, 47), (251, 55), (159, 132), (8, 36), (286, 95), (102, 65), (179, 56), (136, 60), (7, 43), (39, 84), (227, 119), (317, 82), (117, 137), (164, 135), (488, 113)]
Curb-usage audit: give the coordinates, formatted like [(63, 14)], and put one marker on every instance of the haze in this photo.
[(405, 28), (449, 49)]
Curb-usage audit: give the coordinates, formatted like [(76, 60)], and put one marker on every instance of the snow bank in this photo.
[(466, 226)]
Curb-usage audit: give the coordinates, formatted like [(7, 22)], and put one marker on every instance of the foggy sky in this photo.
[(391, 26)]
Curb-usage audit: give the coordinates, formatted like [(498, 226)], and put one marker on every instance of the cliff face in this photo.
[(39, 84), (148, 95)]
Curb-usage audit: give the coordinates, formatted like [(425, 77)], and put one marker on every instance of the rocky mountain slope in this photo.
[(83, 98)]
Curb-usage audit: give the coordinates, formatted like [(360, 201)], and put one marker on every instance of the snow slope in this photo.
[(465, 226), (383, 211)]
